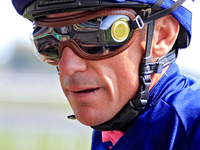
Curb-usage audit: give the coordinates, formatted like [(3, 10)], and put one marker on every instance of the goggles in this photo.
[(94, 39)]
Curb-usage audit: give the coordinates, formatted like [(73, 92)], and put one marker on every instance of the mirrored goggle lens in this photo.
[(100, 36)]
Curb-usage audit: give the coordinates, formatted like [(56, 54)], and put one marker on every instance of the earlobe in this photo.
[(165, 34)]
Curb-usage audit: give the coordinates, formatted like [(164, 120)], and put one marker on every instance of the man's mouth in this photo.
[(86, 90)]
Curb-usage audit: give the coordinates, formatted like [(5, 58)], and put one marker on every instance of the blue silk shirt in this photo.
[(170, 121)]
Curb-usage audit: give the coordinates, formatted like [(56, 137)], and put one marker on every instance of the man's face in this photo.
[(98, 90)]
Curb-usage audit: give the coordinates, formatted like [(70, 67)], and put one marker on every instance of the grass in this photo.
[(42, 141), (16, 132)]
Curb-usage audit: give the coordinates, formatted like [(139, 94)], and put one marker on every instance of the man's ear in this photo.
[(165, 34)]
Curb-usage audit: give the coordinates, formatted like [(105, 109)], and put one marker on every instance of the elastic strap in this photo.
[(142, 19), (164, 12)]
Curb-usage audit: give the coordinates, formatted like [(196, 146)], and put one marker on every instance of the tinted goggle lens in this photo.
[(97, 37)]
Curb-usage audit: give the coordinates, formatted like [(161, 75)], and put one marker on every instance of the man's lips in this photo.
[(86, 90), (84, 95)]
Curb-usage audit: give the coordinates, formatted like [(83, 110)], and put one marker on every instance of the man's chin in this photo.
[(91, 119)]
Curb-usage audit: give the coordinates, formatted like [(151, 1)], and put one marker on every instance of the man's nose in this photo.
[(70, 63)]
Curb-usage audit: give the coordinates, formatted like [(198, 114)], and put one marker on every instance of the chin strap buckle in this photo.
[(143, 92)]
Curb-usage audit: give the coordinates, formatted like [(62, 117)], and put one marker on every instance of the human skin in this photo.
[(98, 90)]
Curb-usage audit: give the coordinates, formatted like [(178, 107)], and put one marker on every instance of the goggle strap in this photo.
[(143, 19), (164, 12)]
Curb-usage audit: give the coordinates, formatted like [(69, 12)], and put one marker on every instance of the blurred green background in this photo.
[(33, 109)]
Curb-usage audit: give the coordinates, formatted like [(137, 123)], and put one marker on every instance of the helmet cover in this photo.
[(182, 14)]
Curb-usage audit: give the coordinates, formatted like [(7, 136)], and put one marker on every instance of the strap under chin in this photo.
[(125, 116)]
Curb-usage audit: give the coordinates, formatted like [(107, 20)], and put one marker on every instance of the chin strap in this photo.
[(135, 106)]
